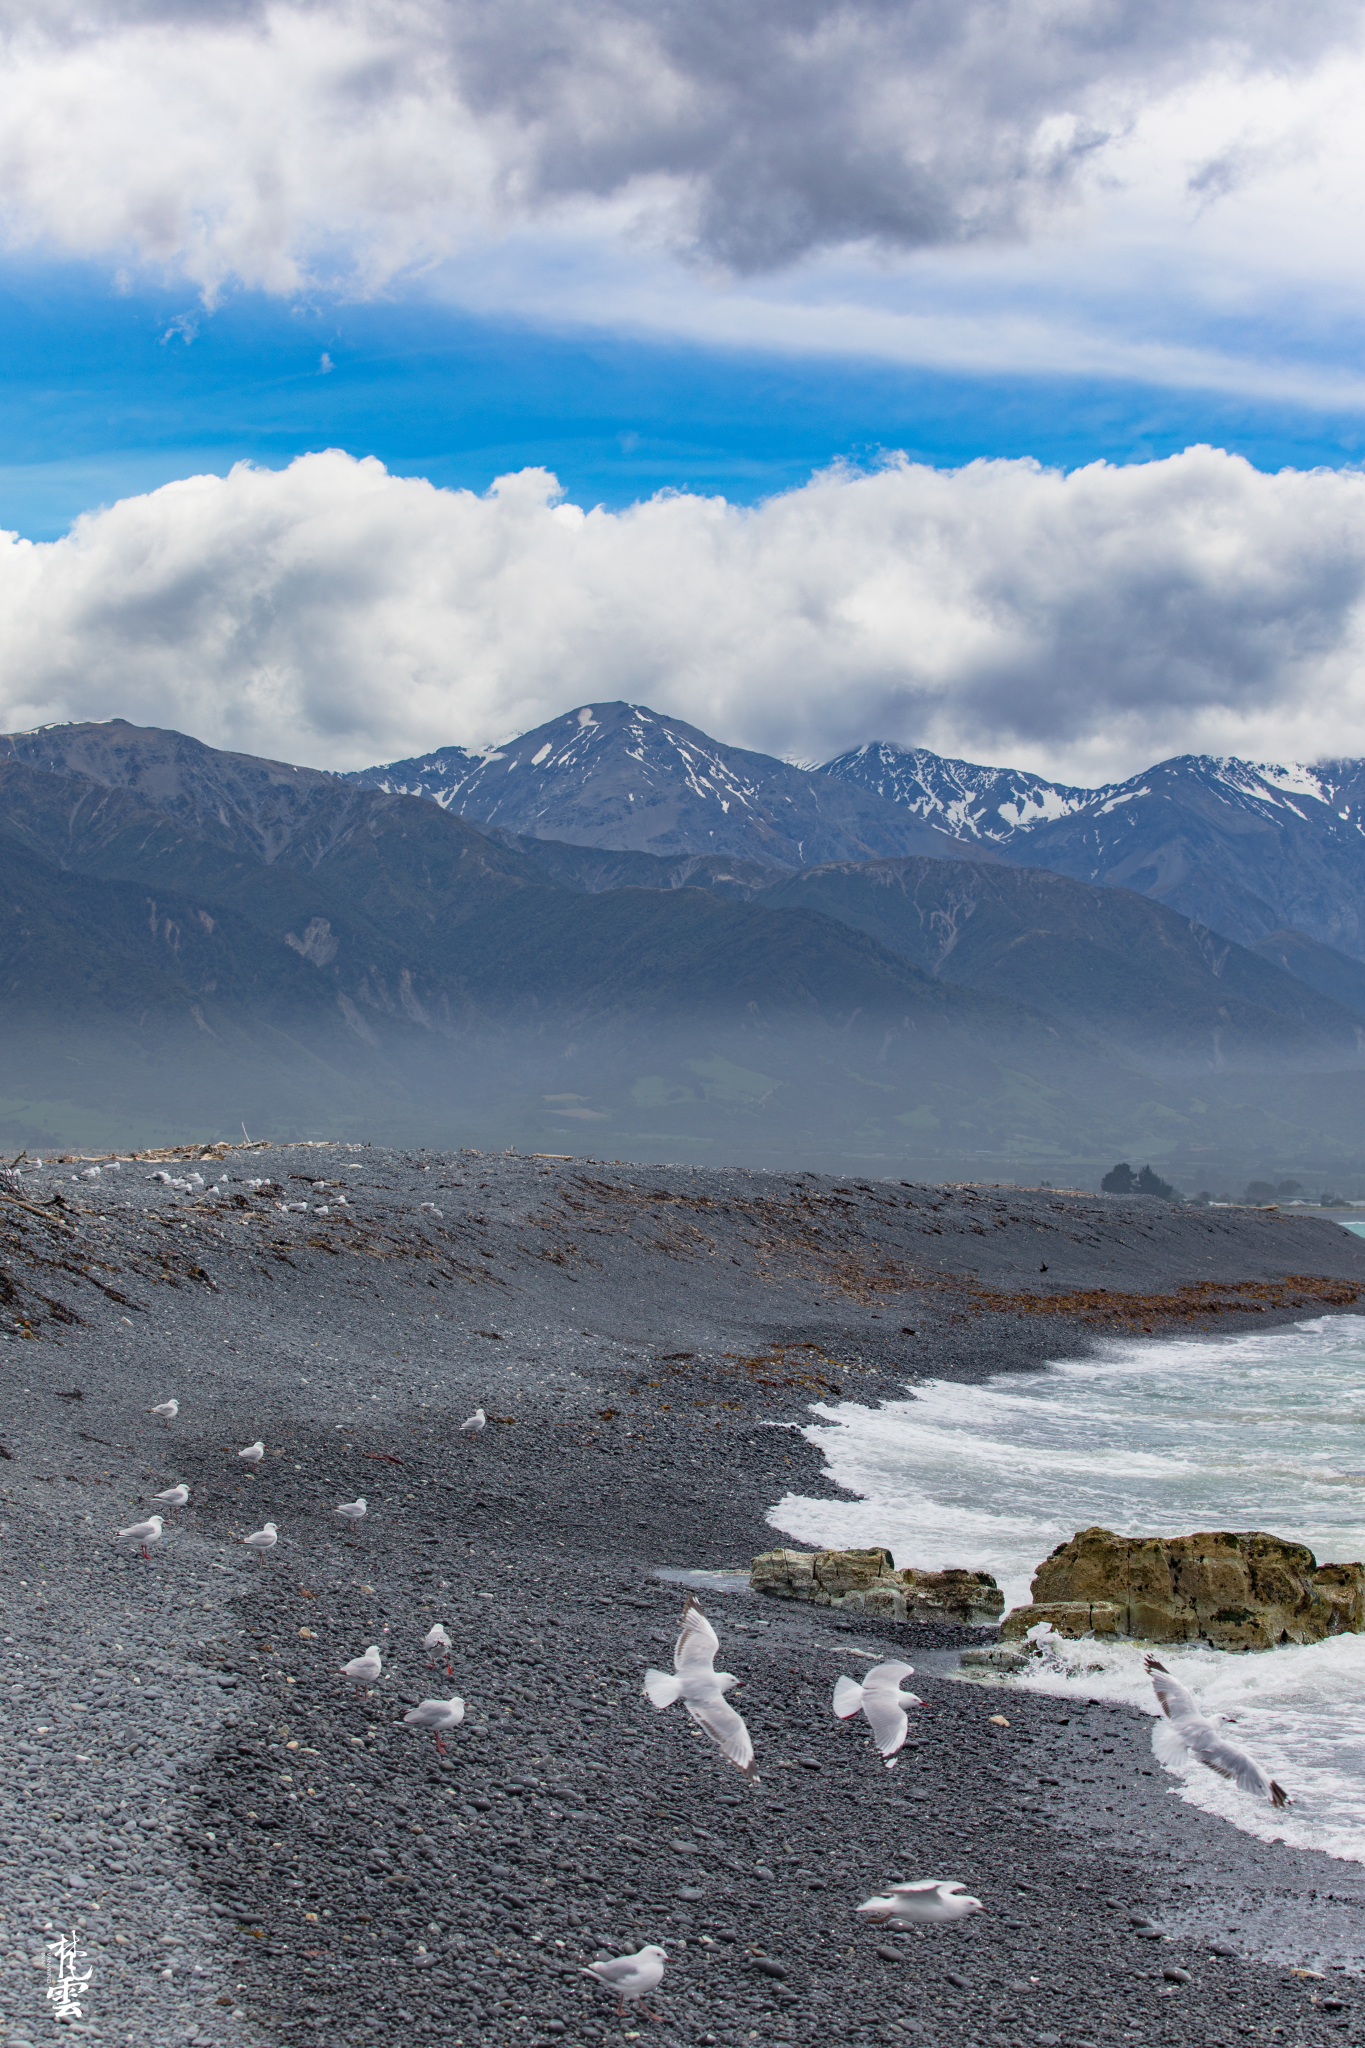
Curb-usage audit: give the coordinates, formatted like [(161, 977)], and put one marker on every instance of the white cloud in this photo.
[(1086, 624), (278, 141)]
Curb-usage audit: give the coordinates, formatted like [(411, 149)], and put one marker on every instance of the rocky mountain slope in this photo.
[(1249, 848), (392, 963), (1106, 961), (624, 777), (991, 805)]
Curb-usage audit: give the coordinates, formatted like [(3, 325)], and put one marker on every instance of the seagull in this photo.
[(174, 1496), (437, 1641), (475, 1423), (927, 1901), (262, 1539), (438, 1715), (1187, 1732), (363, 1670), (167, 1410), (353, 1512), (253, 1454), (630, 1977), (883, 1705), (143, 1533), (701, 1689)]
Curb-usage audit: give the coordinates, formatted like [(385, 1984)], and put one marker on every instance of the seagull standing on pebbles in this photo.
[(438, 1642), (702, 1690), (262, 1539), (1187, 1732), (475, 1423), (930, 1901), (631, 1977), (174, 1496), (353, 1512), (363, 1671), (252, 1455), (883, 1705), (143, 1533), (167, 1410), (438, 1715)]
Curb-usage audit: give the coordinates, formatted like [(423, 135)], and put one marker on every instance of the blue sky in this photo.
[(109, 392)]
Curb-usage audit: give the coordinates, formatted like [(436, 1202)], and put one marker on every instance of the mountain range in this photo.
[(617, 927), (621, 776), (1250, 849)]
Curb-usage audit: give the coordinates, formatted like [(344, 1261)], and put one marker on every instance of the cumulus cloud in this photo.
[(1087, 623), (281, 141)]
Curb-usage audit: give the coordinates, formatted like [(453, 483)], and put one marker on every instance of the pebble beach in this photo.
[(250, 1850)]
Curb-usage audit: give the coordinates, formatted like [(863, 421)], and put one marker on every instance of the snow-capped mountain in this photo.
[(625, 777), (1246, 847), (1249, 848), (960, 797)]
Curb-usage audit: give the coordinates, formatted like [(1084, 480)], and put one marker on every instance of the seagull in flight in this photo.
[(438, 1715), (438, 1642), (631, 1977), (363, 1671), (477, 1421), (252, 1455), (1186, 1731), (883, 1705), (262, 1539), (167, 1410), (143, 1533), (927, 1902), (702, 1689)]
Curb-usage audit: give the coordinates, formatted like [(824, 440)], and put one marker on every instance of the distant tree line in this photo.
[(1121, 1180)]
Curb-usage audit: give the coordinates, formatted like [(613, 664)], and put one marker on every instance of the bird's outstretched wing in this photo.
[(697, 1644), (848, 1697), (886, 1718), (1218, 1754), (1175, 1741), (726, 1729), (884, 1706), (922, 1885), (1174, 1699), (887, 1677)]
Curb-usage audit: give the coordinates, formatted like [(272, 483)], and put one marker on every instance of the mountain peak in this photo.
[(626, 777), (968, 800)]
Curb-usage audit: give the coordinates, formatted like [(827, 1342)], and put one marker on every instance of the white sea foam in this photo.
[(1262, 1432)]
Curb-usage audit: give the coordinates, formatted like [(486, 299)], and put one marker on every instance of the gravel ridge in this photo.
[(287, 1863)]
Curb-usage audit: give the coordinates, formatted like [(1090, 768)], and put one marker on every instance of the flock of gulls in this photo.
[(1183, 1733)]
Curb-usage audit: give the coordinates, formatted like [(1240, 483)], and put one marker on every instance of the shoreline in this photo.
[(640, 1325)]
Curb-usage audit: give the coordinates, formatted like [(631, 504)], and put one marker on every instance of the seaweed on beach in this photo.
[(1101, 1306)]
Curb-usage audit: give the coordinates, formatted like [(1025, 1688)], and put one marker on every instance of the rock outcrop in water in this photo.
[(1238, 1591), (867, 1582)]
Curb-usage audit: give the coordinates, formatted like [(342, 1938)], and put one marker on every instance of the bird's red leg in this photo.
[(440, 1745)]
